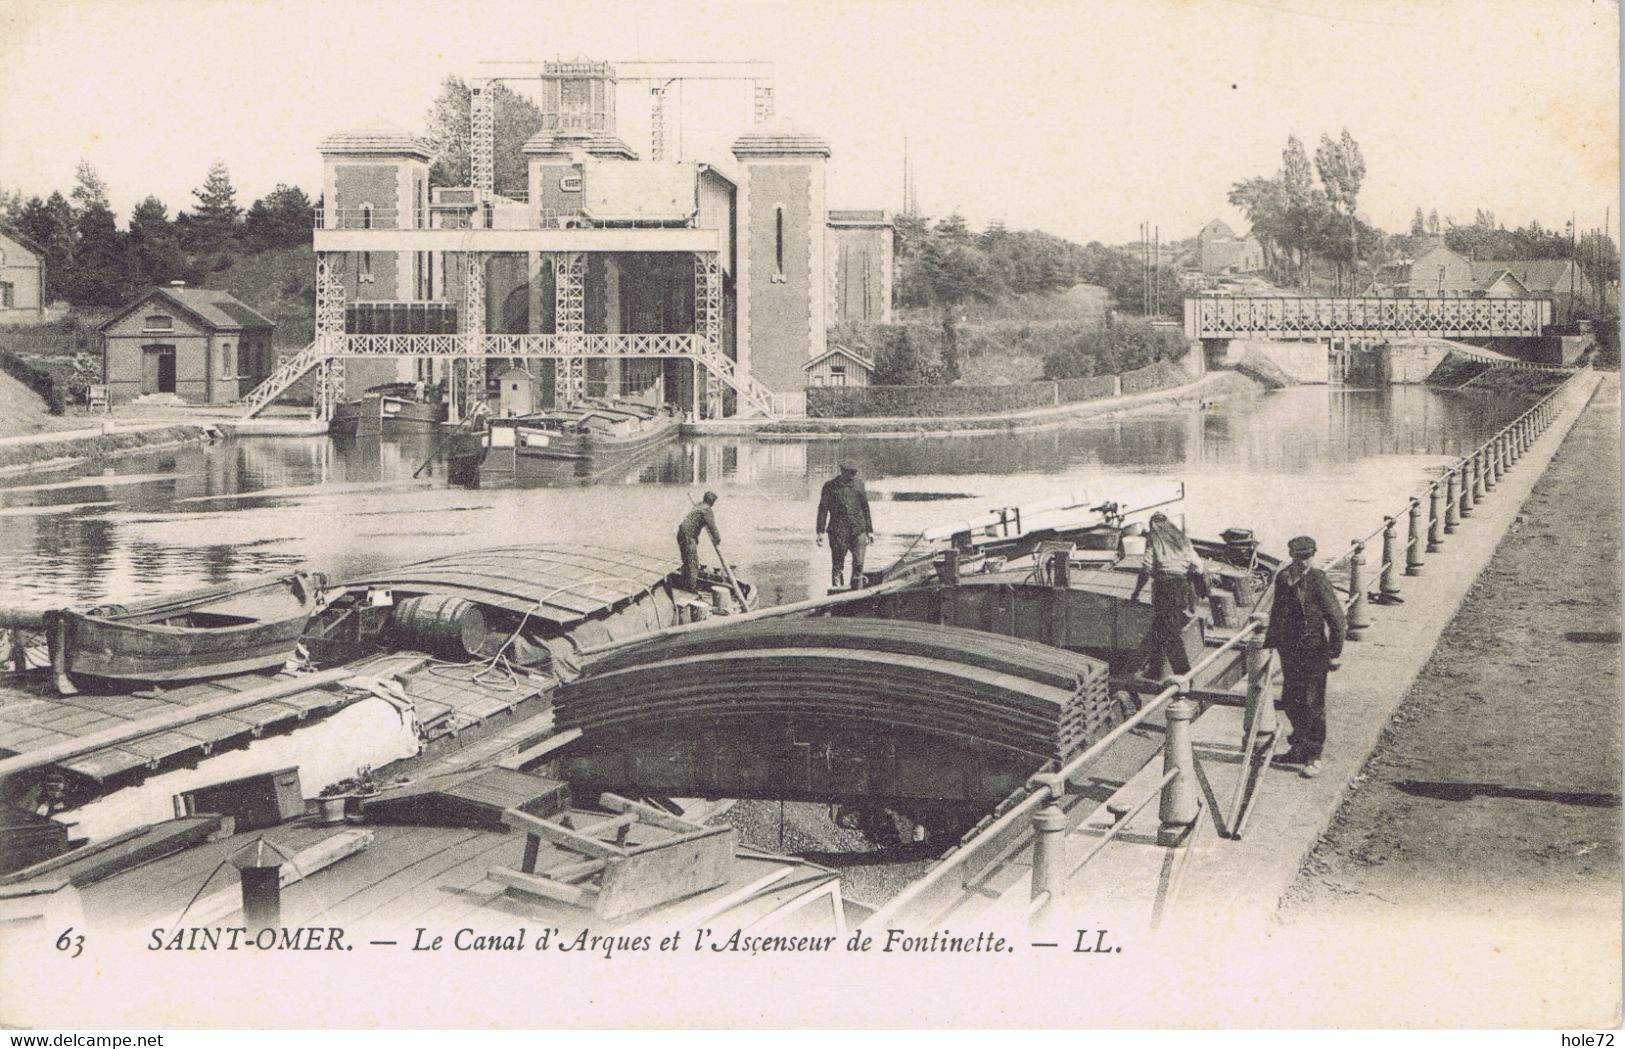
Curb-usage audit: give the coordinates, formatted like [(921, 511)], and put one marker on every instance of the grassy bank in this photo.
[(16, 455)]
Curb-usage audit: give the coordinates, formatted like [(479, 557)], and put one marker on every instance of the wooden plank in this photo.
[(578, 895), (220, 905), (648, 813), (574, 871), (541, 750), (560, 836), (92, 863), (672, 872), (124, 734), (617, 824)]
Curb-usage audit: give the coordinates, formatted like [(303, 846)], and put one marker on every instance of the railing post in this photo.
[(1357, 621), (1049, 852), (1467, 499), (1506, 454), (1260, 706), (1480, 462), (1490, 465), (1387, 589), (1178, 808), (1435, 524), (1452, 503), (1413, 539)]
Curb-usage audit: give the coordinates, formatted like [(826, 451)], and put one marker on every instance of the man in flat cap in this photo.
[(701, 518), (1306, 630), (843, 511)]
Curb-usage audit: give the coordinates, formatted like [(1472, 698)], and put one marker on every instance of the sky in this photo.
[(1080, 117)]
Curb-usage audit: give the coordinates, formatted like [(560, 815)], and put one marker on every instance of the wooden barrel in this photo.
[(445, 626)]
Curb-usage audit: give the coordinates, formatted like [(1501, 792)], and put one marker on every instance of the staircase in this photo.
[(750, 389), (287, 373)]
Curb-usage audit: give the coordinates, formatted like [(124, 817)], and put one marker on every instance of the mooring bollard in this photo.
[(1435, 523), (1413, 539), (1452, 503), (261, 870), (1049, 852), (1357, 621), (1178, 807), (1387, 588), (1467, 499)]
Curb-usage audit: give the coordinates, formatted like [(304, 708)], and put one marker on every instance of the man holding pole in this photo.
[(1306, 630), (701, 518), (843, 511)]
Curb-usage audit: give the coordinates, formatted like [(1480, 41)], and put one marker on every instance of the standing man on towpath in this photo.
[(1306, 629), (843, 511), (702, 517)]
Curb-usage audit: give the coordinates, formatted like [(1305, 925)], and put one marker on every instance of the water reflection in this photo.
[(1314, 459)]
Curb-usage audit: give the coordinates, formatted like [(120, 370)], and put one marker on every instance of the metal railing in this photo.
[(1224, 317), (1448, 498)]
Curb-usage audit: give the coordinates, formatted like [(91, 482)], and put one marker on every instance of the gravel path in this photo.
[(1495, 793)]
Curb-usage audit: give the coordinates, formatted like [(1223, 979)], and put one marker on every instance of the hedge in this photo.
[(852, 402), (35, 379)]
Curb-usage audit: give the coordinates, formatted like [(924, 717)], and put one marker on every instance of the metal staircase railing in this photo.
[(743, 382), (286, 374)]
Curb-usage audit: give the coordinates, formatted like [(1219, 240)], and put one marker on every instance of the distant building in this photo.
[(713, 281), (858, 250), (1559, 280), (1219, 250), (1434, 270), (22, 278), (202, 346), (839, 366)]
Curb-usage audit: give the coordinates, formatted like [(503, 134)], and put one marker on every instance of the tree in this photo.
[(11, 204), (50, 224), (89, 190), (1433, 222), (100, 274), (1342, 170), (1419, 224), (1265, 203), (280, 219), (447, 131), (214, 223), (155, 249)]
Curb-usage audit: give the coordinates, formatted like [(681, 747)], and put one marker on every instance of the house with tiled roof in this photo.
[(193, 344), (1220, 250), (1559, 280), (22, 277)]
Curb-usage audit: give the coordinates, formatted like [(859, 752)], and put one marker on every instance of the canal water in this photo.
[(1323, 461)]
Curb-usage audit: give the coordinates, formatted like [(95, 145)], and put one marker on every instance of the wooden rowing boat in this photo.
[(202, 634)]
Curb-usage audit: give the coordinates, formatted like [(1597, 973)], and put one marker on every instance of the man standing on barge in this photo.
[(701, 518), (843, 511), (1306, 629)]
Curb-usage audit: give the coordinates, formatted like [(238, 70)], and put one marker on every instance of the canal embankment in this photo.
[(1217, 892), (66, 449), (1214, 386)]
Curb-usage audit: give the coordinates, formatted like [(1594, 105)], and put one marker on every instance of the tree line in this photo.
[(90, 261)]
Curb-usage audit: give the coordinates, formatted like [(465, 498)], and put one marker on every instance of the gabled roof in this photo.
[(21, 238), (856, 358), (1487, 281), (1538, 275), (215, 310), (1217, 227), (598, 144)]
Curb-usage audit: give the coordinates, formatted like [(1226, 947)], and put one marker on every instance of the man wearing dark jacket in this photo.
[(701, 518), (1306, 630), (843, 511)]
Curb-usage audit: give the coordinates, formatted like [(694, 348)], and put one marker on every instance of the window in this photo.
[(778, 245), (226, 368), (363, 268), (7, 296), (159, 322), (366, 216)]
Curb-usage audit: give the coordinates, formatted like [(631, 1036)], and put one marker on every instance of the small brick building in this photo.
[(22, 278), (203, 346)]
